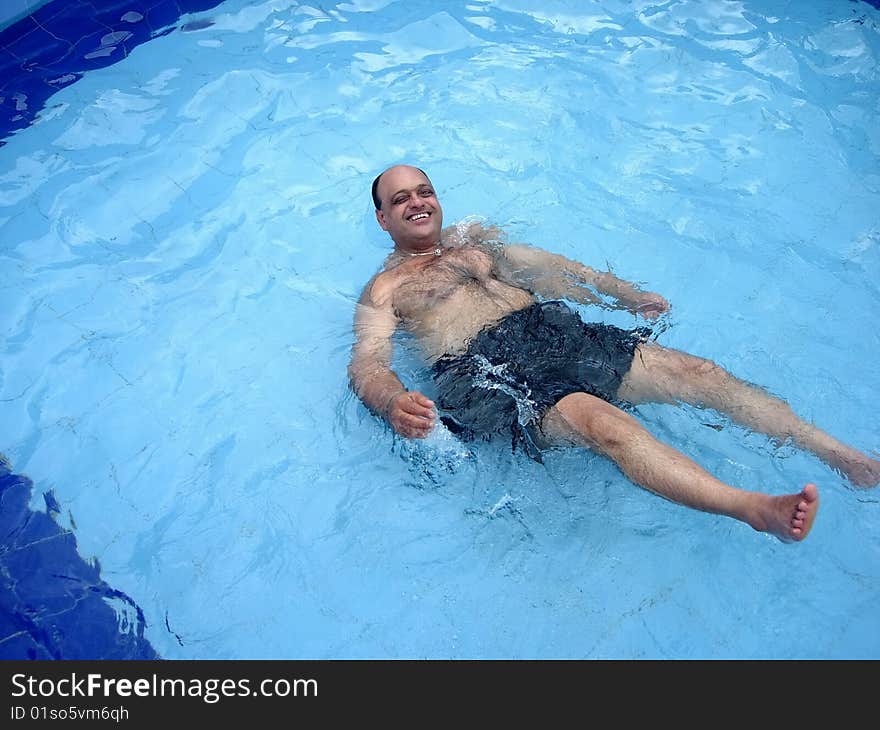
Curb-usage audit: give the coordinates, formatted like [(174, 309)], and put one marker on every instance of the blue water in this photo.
[(183, 236)]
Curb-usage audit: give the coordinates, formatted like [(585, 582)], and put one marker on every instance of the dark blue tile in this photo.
[(162, 14), (23, 647), (15, 492), (8, 625), (48, 11), (21, 28), (54, 603), (36, 46)]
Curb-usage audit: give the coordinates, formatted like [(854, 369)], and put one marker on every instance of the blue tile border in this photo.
[(11, 11), (63, 39), (53, 604)]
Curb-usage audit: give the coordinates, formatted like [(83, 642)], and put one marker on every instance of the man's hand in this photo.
[(649, 305), (411, 414)]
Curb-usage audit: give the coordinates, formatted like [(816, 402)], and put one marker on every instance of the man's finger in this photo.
[(414, 411), (417, 432), (421, 399), (423, 407), (414, 421)]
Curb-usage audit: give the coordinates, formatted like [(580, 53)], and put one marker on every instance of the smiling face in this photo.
[(410, 211)]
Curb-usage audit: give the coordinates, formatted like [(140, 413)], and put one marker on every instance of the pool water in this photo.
[(184, 234)]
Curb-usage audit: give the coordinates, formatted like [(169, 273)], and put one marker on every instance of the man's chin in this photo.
[(427, 238)]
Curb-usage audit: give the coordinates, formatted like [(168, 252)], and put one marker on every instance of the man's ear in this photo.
[(380, 216)]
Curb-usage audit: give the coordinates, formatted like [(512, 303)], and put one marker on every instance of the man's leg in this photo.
[(587, 421), (661, 375)]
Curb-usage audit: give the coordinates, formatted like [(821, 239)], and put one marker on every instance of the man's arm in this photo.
[(410, 413), (557, 277)]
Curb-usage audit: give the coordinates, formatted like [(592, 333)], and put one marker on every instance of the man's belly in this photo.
[(449, 327)]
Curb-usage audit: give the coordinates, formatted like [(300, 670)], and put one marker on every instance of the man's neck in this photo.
[(417, 249)]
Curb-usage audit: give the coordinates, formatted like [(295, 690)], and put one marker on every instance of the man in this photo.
[(508, 356)]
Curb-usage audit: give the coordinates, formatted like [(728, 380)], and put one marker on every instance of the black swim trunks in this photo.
[(514, 371)]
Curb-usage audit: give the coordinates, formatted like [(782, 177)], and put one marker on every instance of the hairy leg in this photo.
[(661, 375), (584, 420)]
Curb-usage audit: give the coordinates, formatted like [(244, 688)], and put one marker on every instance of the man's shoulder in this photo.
[(379, 290), (473, 231)]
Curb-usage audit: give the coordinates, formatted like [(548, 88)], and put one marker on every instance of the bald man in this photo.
[(509, 356)]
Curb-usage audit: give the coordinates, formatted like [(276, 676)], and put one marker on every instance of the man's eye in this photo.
[(398, 201), (427, 193)]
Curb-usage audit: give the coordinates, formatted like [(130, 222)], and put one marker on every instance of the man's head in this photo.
[(407, 207)]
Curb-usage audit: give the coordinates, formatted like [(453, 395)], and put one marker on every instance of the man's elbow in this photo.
[(355, 376), (361, 376)]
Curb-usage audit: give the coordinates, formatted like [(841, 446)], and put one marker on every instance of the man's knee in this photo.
[(699, 370), (601, 424)]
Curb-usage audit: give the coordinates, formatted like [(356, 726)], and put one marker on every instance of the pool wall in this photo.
[(14, 10)]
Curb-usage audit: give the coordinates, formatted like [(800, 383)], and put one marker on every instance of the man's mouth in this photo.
[(419, 216)]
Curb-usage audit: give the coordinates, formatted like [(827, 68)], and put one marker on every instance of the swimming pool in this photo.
[(185, 232)]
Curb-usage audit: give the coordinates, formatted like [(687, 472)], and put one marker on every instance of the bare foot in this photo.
[(788, 518)]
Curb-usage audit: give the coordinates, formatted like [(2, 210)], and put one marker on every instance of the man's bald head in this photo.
[(408, 209), (377, 201)]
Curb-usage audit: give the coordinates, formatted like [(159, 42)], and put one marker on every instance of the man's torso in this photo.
[(445, 300)]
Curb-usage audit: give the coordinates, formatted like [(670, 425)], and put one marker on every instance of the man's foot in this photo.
[(788, 518)]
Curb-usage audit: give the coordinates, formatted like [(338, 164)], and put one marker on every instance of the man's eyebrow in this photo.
[(406, 190)]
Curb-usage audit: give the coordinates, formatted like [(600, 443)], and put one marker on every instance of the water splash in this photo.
[(439, 454)]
